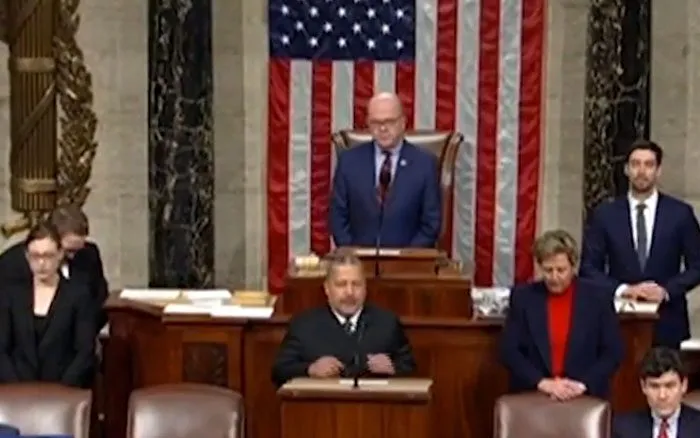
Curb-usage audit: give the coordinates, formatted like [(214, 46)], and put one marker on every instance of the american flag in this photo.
[(474, 66)]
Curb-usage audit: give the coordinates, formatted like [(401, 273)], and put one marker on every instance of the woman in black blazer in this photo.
[(47, 326)]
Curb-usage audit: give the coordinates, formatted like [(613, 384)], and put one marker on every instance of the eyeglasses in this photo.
[(42, 257)]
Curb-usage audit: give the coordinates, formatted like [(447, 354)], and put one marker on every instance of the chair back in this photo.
[(534, 415), (185, 411), (46, 409)]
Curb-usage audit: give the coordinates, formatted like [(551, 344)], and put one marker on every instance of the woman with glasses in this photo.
[(47, 323), (561, 336)]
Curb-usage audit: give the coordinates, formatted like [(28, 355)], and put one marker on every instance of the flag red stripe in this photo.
[(363, 89), (278, 173), (446, 83), (532, 47), (405, 88), (489, 36), (320, 171)]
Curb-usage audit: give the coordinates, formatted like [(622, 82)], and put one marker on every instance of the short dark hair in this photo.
[(43, 230), (70, 219), (661, 360), (646, 145)]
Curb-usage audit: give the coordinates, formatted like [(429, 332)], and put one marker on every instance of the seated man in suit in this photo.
[(646, 245), (346, 338), (562, 336), (664, 383), (80, 256), (386, 192)]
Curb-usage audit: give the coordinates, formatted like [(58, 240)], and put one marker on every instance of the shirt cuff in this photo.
[(620, 290)]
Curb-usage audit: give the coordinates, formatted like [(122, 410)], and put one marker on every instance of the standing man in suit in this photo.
[(664, 383), (346, 338), (81, 257), (386, 192), (646, 245)]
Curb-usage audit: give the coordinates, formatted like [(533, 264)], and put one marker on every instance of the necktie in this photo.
[(385, 175), (642, 237), (348, 326), (663, 429)]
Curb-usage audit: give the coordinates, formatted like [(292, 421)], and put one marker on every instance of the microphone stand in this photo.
[(377, 241)]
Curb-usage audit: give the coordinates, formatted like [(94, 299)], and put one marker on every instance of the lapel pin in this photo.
[(402, 163)]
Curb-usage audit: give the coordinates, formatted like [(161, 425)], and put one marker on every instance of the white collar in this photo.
[(343, 319)]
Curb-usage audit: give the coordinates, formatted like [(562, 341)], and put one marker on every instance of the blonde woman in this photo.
[(561, 336)]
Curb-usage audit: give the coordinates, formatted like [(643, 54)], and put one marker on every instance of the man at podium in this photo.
[(346, 338), (386, 192)]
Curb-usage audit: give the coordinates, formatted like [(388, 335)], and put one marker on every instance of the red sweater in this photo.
[(559, 315)]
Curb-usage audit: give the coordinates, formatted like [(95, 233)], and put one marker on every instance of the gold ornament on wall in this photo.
[(50, 165), (77, 119)]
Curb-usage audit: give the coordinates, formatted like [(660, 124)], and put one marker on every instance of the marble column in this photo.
[(180, 143), (617, 93)]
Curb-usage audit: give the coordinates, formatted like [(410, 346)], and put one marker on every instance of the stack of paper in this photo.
[(629, 306)]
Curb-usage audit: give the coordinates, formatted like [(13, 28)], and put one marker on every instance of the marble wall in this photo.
[(180, 145), (675, 105), (617, 93)]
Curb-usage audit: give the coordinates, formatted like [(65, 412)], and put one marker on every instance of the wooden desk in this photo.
[(444, 295), (147, 348), (397, 408)]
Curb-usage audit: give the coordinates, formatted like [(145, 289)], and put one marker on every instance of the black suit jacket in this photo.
[(594, 347), (6, 429), (317, 332), (66, 352), (640, 424), (15, 268)]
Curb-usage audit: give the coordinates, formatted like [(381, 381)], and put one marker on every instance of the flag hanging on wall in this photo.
[(474, 66)]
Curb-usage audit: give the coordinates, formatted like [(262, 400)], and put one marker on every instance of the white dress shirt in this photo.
[(65, 271), (651, 203), (353, 319), (672, 421)]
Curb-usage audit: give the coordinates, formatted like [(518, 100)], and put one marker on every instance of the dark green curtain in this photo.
[(617, 93), (180, 149)]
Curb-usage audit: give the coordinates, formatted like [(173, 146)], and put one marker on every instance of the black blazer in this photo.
[(15, 268), (66, 352), (6, 429), (594, 349), (317, 332), (639, 424)]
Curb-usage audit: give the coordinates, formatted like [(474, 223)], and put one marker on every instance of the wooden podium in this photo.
[(316, 408), (416, 282)]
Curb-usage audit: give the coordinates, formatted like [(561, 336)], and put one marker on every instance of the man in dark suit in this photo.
[(7, 430), (638, 243), (387, 183), (346, 338), (664, 383), (81, 256)]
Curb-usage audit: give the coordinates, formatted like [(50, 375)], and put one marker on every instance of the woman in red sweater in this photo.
[(562, 336)]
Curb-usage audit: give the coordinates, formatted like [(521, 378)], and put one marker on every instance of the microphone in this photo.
[(384, 182), (357, 362)]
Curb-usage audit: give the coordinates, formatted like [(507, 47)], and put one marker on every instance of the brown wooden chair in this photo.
[(535, 415), (46, 409), (185, 410), (444, 144)]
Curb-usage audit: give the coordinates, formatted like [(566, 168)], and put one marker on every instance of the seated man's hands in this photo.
[(324, 367), (561, 389), (380, 364)]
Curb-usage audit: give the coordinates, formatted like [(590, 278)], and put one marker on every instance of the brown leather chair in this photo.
[(46, 409), (445, 145), (534, 415), (185, 411), (692, 399)]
